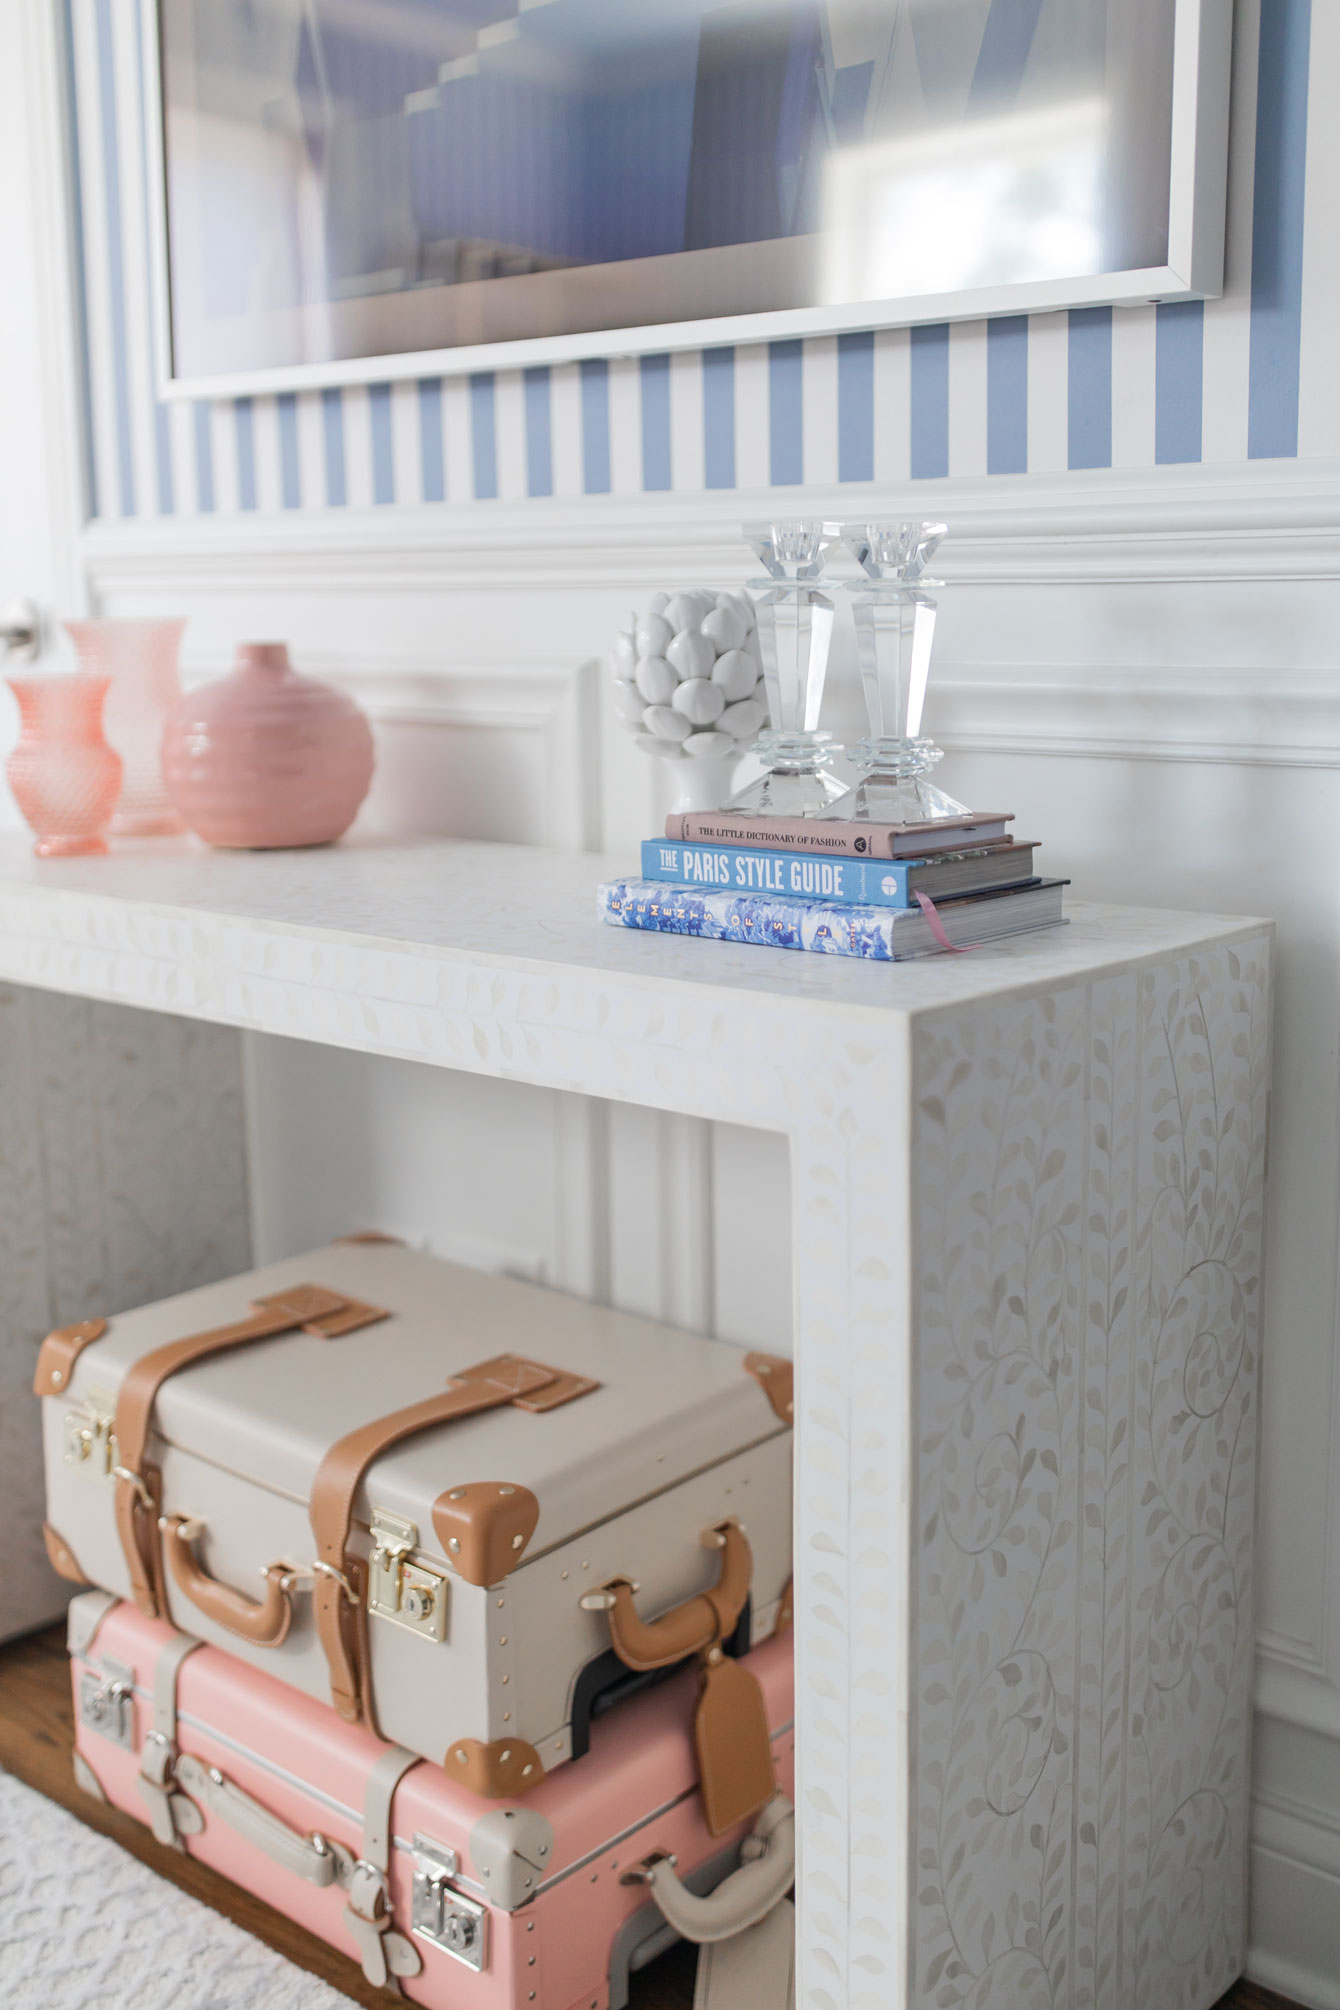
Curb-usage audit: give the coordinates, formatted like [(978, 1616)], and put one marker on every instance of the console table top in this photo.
[(91, 925)]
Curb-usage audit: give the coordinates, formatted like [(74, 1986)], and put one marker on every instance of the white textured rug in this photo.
[(84, 1926)]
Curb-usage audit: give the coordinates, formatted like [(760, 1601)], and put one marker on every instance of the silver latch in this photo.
[(399, 1589), (90, 1442), (107, 1702), (441, 1914)]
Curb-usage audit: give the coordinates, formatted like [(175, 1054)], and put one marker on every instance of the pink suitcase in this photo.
[(452, 1900)]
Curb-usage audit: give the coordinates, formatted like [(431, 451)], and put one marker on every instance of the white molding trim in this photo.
[(1262, 520), (1254, 717), (1295, 1983), (42, 32), (581, 1196), (1296, 1846), (559, 703), (1297, 1692)]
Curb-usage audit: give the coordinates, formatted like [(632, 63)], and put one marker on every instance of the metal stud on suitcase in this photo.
[(456, 1506), (456, 1902)]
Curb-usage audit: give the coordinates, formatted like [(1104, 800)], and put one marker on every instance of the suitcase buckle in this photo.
[(411, 1594), (440, 1914)]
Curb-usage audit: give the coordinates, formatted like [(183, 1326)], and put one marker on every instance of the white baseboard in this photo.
[(1299, 1985), (1294, 1945)]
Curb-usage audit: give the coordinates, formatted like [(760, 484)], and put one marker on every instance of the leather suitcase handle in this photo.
[(690, 1628), (265, 1622), (311, 1856), (766, 1873)]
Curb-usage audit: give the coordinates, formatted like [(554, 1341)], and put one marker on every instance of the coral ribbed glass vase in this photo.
[(266, 757), (140, 659), (65, 777)]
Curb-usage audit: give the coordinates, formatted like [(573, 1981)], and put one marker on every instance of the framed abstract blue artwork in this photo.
[(357, 189)]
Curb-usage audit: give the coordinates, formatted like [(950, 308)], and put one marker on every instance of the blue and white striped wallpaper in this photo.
[(1252, 375)]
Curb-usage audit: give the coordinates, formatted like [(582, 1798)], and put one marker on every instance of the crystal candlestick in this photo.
[(795, 632), (895, 627)]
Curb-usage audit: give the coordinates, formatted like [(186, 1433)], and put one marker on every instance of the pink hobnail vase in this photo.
[(265, 758), (140, 658), (65, 777)]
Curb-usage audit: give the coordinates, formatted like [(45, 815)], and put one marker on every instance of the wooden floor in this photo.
[(36, 1740)]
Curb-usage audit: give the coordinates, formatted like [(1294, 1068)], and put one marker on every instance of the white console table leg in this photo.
[(1024, 1757)]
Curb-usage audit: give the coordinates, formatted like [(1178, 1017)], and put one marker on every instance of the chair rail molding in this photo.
[(1260, 520), (1260, 716)]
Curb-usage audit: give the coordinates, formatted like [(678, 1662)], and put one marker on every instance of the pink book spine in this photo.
[(866, 840)]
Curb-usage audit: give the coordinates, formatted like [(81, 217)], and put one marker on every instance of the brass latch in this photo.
[(90, 1441), (398, 1588)]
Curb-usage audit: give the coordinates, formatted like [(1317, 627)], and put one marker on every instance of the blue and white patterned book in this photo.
[(852, 882), (883, 934)]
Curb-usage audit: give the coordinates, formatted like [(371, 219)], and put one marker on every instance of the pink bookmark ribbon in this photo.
[(937, 927)]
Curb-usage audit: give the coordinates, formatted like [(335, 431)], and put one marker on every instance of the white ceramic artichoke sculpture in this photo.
[(689, 687)]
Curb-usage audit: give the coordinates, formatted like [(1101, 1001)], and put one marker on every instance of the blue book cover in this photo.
[(782, 875), (824, 927), (848, 881)]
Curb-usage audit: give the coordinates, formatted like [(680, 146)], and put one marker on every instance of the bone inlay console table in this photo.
[(1027, 1210)]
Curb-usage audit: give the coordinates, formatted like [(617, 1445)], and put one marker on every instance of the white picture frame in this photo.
[(1202, 48)]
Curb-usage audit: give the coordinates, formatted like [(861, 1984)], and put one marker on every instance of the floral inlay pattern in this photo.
[(1087, 1230)]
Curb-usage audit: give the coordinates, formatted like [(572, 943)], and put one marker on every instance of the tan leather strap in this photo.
[(337, 1596), (690, 1628), (309, 1306)]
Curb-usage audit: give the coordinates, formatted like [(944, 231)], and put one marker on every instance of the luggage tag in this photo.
[(732, 1741)]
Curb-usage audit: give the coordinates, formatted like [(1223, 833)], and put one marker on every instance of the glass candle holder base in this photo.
[(896, 787), (797, 782)]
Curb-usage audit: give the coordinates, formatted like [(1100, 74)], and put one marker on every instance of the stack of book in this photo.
[(884, 891)]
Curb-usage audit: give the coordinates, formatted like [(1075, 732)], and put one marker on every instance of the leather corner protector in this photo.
[(785, 1610), (508, 1766), (61, 1557), (776, 1377), (59, 1352), (484, 1528)]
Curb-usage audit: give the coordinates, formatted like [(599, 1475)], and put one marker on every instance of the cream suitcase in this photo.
[(464, 1510)]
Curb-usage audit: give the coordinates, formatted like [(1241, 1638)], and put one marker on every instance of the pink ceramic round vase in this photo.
[(140, 658), (65, 777), (265, 758)]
